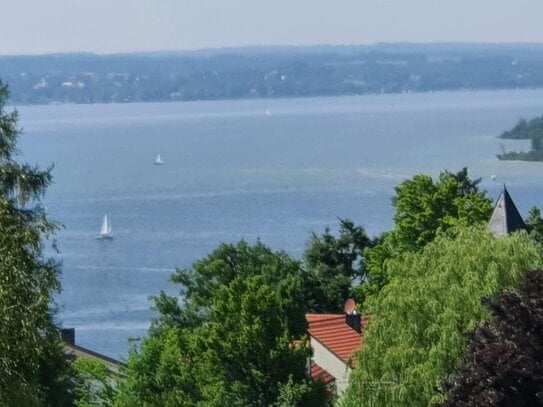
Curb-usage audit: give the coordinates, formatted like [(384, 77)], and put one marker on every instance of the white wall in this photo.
[(332, 364)]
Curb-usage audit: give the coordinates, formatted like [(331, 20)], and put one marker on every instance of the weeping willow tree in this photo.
[(32, 365), (417, 332)]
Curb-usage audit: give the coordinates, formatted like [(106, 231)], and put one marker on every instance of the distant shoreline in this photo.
[(525, 130), (279, 98), (270, 73)]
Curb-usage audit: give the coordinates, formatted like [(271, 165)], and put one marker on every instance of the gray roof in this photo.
[(506, 218), (114, 366), (75, 352)]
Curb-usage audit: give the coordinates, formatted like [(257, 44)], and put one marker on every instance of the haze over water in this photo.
[(232, 172)]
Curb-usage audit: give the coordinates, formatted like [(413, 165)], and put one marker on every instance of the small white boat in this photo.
[(105, 230), (268, 113), (158, 160)]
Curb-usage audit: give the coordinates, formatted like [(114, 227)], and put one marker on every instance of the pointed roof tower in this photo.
[(506, 218)]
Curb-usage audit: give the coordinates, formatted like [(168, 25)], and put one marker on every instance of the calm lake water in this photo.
[(232, 171)]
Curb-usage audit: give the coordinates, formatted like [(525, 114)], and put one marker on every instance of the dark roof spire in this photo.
[(506, 218)]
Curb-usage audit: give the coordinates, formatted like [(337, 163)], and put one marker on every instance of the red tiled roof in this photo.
[(318, 373), (332, 331)]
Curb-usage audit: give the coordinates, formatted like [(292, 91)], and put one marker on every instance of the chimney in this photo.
[(354, 320), (68, 335)]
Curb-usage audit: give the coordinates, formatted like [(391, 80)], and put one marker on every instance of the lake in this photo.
[(274, 170)]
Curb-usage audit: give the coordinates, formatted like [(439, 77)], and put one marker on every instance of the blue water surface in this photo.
[(234, 172)]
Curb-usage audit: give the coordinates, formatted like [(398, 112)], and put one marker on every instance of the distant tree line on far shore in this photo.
[(272, 72), (525, 130)]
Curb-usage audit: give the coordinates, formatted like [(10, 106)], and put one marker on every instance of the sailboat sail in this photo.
[(158, 160), (105, 230)]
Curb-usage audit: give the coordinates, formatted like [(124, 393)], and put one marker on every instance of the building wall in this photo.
[(332, 364)]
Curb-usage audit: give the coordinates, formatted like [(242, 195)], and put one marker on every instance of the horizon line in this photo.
[(271, 47)]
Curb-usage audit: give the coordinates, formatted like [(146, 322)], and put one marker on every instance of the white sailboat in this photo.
[(268, 113), (158, 160), (105, 230)]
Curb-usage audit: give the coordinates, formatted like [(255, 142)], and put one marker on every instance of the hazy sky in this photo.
[(104, 26)]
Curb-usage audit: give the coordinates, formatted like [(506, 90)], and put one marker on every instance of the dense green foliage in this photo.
[(529, 130), (32, 367), (336, 266), (525, 129), (95, 385), (534, 222), (503, 365), (416, 334), (423, 207), (271, 72), (230, 342), (200, 284)]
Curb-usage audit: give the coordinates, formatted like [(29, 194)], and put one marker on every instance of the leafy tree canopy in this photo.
[(335, 266), (200, 284), (32, 366), (423, 207), (534, 222), (232, 344), (416, 334), (95, 384), (503, 365)]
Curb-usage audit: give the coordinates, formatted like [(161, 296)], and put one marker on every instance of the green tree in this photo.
[(95, 384), (232, 344), (503, 365), (303, 394), (33, 370), (335, 266), (199, 284), (423, 207), (249, 353), (416, 334), (165, 372), (534, 222)]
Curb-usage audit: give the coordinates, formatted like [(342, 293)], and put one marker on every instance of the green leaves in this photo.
[(334, 266), (95, 384), (416, 334), (199, 285), (535, 224), (33, 369), (249, 343), (229, 341), (425, 207)]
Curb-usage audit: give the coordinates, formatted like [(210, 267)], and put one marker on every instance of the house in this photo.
[(334, 338), (74, 351), (505, 218)]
